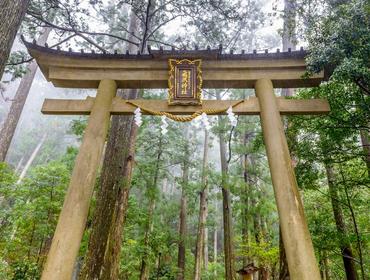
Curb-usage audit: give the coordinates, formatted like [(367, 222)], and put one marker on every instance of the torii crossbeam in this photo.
[(107, 72)]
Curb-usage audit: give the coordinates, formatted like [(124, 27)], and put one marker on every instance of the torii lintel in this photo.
[(219, 70)]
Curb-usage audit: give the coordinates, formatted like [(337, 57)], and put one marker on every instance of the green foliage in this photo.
[(338, 39), (334, 141), (25, 271), (216, 271), (29, 216), (77, 127), (264, 253), (342, 40), (16, 66), (7, 176)]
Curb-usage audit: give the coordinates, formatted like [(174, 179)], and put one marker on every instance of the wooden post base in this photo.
[(296, 237), (68, 234)]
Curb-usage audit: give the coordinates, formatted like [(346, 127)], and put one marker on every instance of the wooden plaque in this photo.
[(185, 82)]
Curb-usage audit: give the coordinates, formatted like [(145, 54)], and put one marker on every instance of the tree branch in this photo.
[(63, 41), (20, 62), (362, 87), (162, 24), (78, 32), (143, 43)]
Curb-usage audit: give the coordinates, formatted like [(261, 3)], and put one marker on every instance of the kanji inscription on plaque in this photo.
[(185, 82)]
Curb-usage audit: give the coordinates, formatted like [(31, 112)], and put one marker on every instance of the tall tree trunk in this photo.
[(144, 268), (324, 269), (215, 241), (256, 220), (181, 258), (159, 265), (283, 264), (215, 237), (10, 123), (215, 244), (113, 183), (344, 245), (245, 196), (201, 234), (355, 226), (260, 230), (31, 159), (230, 272), (265, 269), (102, 257), (256, 229), (289, 37), (112, 255), (327, 269), (205, 244), (365, 141), (106, 242), (11, 15), (19, 164)]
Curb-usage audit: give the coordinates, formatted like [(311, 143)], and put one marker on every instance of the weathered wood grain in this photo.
[(248, 107)]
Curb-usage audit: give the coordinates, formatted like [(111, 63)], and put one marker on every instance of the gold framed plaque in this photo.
[(185, 82)]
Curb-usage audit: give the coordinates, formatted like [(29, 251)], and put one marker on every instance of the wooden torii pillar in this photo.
[(107, 72), (72, 220)]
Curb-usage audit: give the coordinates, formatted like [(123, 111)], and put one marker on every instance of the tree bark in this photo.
[(230, 272), (327, 269), (181, 259), (11, 16), (201, 234), (102, 257), (324, 269), (365, 141), (205, 244), (245, 196), (289, 38), (355, 226), (344, 245), (256, 221), (112, 256), (215, 238), (215, 241), (257, 230), (11, 121), (144, 269), (283, 264), (114, 189)]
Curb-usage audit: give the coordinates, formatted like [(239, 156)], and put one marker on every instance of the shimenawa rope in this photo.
[(182, 118)]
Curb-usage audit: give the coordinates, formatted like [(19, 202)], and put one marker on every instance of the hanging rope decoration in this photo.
[(164, 125), (231, 116), (205, 121), (185, 118), (138, 119)]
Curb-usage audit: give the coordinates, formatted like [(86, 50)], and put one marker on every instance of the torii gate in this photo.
[(107, 72)]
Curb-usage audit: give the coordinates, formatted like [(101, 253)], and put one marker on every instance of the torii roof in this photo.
[(70, 69)]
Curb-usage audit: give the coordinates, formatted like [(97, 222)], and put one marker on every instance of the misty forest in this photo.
[(153, 195)]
